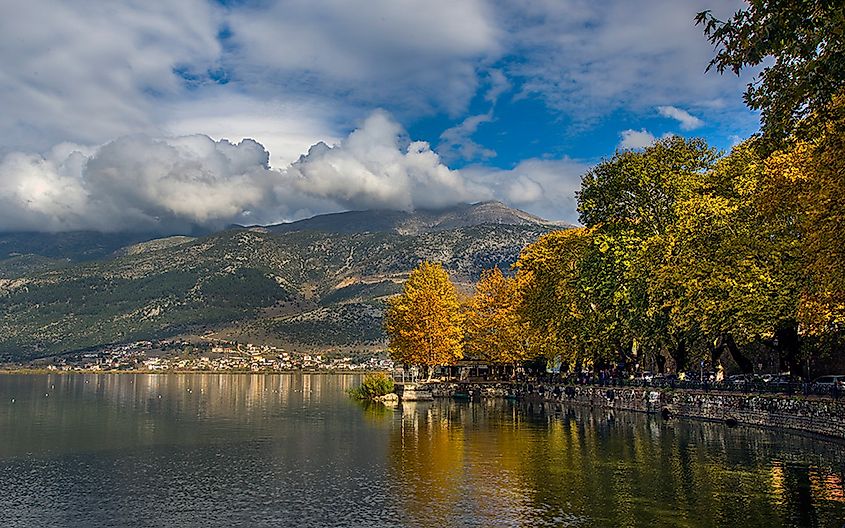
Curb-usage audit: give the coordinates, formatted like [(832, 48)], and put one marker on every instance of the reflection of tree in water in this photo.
[(619, 467), (543, 464), (426, 457)]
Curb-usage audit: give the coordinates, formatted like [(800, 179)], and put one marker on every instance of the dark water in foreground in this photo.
[(292, 450)]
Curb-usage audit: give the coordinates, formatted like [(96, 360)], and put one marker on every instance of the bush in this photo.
[(373, 386)]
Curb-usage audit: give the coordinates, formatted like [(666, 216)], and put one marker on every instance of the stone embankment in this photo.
[(818, 415)]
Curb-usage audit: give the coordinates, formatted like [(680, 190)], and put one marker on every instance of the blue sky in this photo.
[(133, 114)]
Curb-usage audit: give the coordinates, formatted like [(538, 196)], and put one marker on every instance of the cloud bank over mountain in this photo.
[(171, 184)]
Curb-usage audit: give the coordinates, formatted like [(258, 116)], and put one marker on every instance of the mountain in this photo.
[(315, 284), (419, 221)]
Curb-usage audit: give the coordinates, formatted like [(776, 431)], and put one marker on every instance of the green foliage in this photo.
[(636, 191), (374, 385), (805, 38), (630, 202)]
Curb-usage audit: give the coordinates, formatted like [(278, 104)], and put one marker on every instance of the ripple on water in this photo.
[(262, 451)]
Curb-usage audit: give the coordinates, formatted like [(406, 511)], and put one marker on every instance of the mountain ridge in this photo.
[(417, 221)]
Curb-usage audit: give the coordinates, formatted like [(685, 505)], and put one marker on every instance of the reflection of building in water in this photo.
[(827, 486), (204, 395)]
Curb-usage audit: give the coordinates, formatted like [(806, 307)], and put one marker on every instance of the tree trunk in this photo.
[(661, 363), (679, 354), (788, 346), (745, 364), (716, 350)]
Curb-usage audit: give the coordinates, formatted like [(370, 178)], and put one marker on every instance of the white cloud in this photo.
[(544, 187), (457, 142), (686, 120), (286, 128), (635, 139), (134, 183), (589, 58), (411, 56), (170, 184), (498, 85), (77, 71), (377, 167)]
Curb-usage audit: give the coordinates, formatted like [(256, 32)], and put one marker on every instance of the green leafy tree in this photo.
[(630, 202), (728, 272), (554, 301), (805, 39)]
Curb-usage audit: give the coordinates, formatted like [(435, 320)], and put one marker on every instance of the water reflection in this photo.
[(279, 450), (535, 465)]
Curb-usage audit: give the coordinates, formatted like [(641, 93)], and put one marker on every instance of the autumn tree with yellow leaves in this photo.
[(495, 329), (806, 182), (424, 323)]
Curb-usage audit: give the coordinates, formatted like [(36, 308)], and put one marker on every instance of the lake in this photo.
[(207, 450)]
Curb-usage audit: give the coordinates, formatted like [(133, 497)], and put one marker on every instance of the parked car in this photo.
[(830, 380), (744, 379), (783, 381)]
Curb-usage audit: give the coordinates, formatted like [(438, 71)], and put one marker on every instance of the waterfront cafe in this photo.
[(467, 370)]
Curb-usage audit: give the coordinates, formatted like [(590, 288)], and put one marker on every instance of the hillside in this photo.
[(305, 288)]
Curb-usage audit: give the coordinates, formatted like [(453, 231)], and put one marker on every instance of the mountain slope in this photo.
[(310, 288)]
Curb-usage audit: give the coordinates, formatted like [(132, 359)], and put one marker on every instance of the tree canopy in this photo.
[(424, 323), (805, 39), (495, 330)]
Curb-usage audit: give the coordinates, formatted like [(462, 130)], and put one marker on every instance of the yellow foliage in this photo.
[(807, 182), (424, 322), (494, 329), (553, 301)]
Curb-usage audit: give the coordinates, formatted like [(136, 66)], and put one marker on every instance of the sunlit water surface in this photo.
[(292, 450)]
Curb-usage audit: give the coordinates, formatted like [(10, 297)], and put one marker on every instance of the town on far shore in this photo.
[(217, 356)]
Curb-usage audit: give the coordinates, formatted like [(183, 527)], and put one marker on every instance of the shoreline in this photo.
[(813, 415), (27, 372)]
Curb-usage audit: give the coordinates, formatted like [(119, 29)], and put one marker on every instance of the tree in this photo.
[(630, 203), (806, 182), (728, 272), (806, 39), (495, 330), (424, 322), (553, 300)]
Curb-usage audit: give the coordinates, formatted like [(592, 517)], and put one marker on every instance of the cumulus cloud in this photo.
[(378, 167), (686, 120), (134, 183), (635, 139), (544, 187), (171, 184), (286, 128)]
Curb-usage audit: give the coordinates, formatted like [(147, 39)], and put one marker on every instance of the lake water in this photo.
[(292, 450)]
